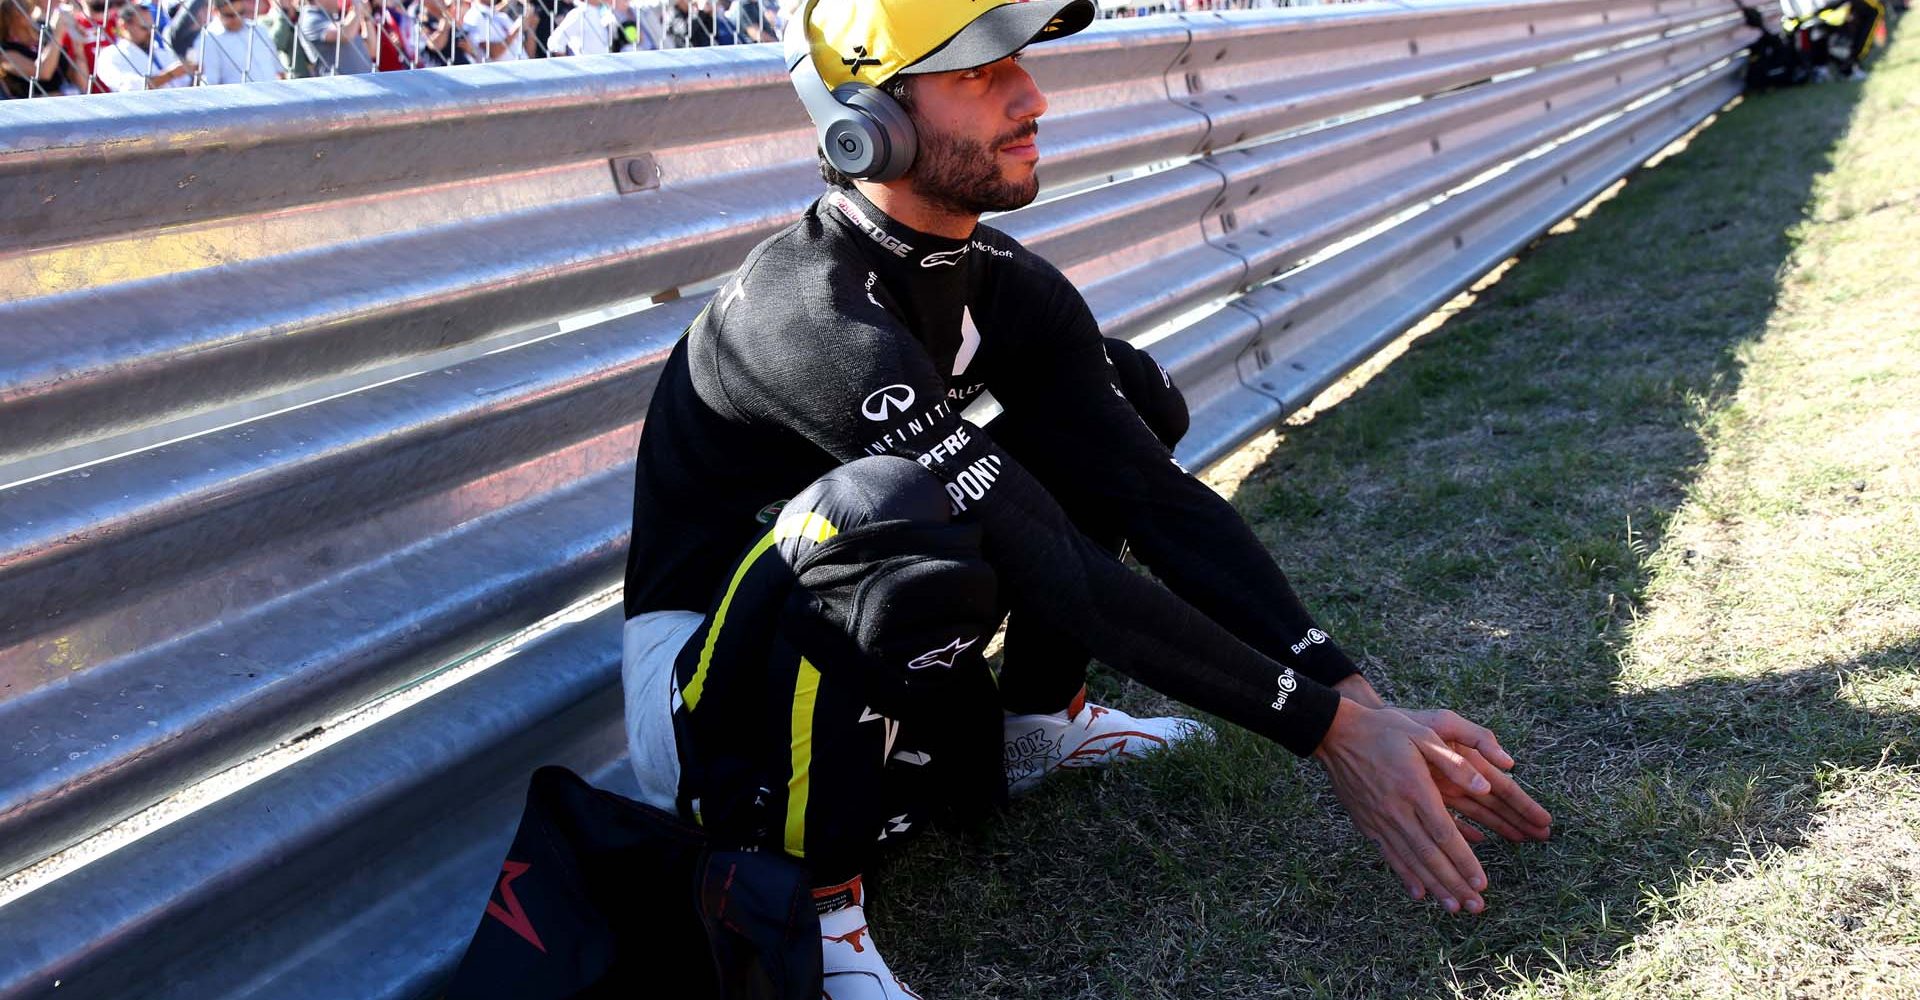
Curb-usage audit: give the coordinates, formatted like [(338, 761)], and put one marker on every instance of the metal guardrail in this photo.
[(279, 452)]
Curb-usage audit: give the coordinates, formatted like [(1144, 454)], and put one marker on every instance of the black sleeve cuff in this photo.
[(1300, 715), (1326, 662)]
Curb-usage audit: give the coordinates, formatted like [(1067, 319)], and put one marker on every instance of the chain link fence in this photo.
[(73, 47)]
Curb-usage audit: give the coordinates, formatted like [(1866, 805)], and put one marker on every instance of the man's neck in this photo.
[(911, 210)]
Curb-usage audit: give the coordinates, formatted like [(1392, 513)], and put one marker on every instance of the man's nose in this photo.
[(1028, 102)]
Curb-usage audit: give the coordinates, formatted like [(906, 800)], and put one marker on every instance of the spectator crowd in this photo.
[(53, 47)]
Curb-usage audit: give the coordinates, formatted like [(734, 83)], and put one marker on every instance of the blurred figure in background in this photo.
[(137, 60), (181, 26), (696, 24), (393, 47), (498, 31), (643, 25), (33, 58), (336, 47), (591, 28), (233, 49), (282, 24), (755, 21), (92, 30), (439, 39)]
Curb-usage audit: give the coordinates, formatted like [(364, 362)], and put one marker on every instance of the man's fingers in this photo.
[(1469, 831), (1455, 729), (1468, 877), (1511, 799), (1506, 797), (1478, 811), (1425, 834), (1429, 881), (1408, 878), (1451, 765)]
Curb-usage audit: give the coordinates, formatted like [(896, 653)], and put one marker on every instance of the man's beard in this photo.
[(962, 176)]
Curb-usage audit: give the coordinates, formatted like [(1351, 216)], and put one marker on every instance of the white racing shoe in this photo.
[(1086, 736), (852, 967)]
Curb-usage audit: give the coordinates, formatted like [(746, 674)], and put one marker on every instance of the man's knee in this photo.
[(889, 586), (881, 489), (1151, 391)]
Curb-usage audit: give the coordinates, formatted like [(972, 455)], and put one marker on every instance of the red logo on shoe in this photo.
[(512, 914), (1108, 747), (851, 937)]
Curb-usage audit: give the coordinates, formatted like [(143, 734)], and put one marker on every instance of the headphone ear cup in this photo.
[(882, 113), (855, 144)]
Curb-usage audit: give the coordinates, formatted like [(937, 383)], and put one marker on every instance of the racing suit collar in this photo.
[(899, 245)]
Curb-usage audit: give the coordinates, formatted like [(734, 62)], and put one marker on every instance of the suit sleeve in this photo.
[(854, 382), (1088, 435)]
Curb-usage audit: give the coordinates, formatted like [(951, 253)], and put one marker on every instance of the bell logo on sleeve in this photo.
[(1314, 638), (1288, 685)]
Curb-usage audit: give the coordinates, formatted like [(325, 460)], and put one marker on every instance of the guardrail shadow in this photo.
[(1229, 871)]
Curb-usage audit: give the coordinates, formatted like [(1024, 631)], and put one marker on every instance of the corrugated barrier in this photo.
[(312, 392)]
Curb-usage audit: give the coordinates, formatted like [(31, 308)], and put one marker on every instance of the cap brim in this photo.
[(1004, 30)]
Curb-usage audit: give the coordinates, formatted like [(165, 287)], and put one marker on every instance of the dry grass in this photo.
[(1649, 507)]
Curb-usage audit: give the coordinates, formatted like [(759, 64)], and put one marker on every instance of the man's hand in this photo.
[(1379, 760), (1506, 808)]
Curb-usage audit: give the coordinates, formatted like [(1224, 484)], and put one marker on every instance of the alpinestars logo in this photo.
[(942, 657), (868, 226), (883, 403), (860, 58), (946, 258), (1314, 638), (1288, 685)]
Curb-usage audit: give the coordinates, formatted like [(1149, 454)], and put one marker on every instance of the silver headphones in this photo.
[(864, 133)]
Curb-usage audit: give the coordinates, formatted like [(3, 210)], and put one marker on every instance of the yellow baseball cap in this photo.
[(872, 41)]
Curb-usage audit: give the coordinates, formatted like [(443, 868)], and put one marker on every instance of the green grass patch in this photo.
[(1650, 507)]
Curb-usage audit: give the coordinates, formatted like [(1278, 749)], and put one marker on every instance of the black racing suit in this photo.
[(849, 335)]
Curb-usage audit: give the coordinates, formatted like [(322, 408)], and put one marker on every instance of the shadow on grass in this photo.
[(1475, 523)]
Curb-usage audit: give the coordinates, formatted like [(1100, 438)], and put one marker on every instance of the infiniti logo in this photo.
[(886, 402)]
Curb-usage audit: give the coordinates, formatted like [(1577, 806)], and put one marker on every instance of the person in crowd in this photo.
[(438, 36), (696, 24), (336, 47), (183, 25), (281, 22), (499, 31), (92, 30), (591, 28), (234, 49), (393, 47), (137, 60), (754, 21), (642, 25), (33, 57)]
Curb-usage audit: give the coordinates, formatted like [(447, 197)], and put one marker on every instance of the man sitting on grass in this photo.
[(805, 476)]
